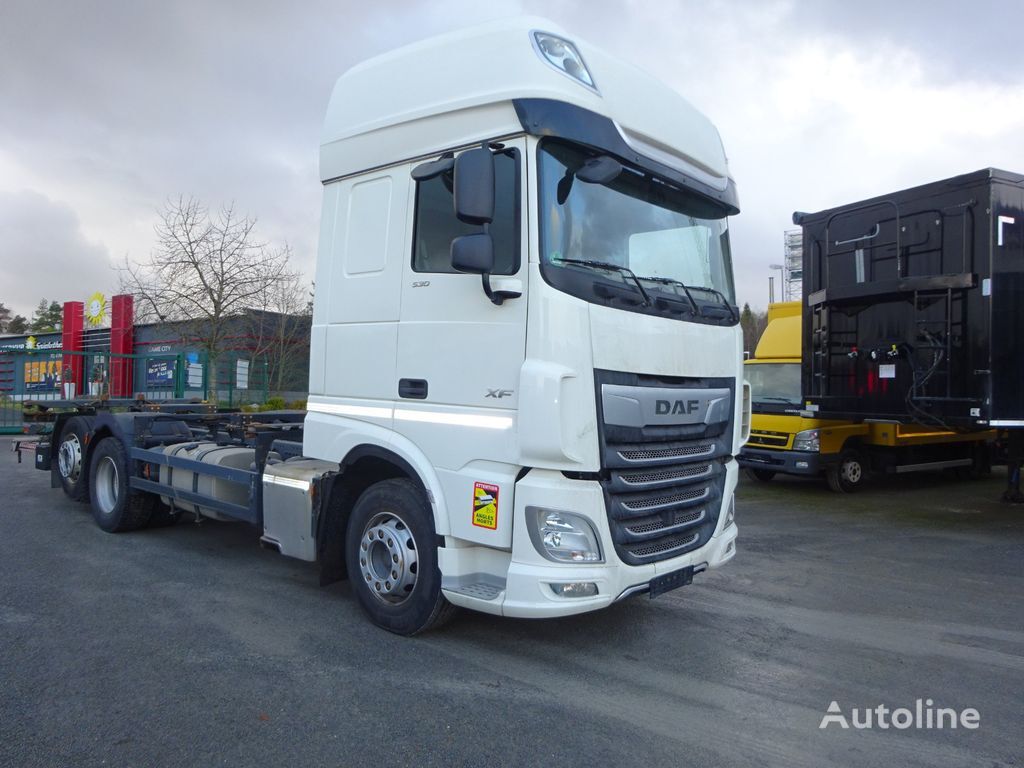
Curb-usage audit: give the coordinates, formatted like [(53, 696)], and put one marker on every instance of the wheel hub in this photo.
[(69, 458), (388, 558), (852, 471), (107, 487)]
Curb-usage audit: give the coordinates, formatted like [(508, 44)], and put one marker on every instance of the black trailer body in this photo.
[(914, 305)]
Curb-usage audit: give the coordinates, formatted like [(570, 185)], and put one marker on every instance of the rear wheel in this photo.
[(391, 556), (849, 474), (115, 506), (74, 478), (762, 475)]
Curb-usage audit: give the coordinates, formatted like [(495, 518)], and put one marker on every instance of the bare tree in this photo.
[(753, 325), (279, 327), (205, 270)]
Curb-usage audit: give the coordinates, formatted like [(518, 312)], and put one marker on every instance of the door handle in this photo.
[(414, 389)]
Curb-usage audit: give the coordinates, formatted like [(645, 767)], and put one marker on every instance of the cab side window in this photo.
[(435, 225)]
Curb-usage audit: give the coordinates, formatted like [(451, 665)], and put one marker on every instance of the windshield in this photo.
[(774, 383), (646, 243)]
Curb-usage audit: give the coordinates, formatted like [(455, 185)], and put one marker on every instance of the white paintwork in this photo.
[(449, 90), (528, 594), (376, 320)]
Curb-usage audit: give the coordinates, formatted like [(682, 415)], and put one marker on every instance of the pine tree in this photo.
[(18, 324), (48, 317)]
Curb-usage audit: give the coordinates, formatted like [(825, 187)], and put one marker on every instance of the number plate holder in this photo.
[(667, 582)]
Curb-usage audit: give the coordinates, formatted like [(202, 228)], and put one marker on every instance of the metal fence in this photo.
[(31, 379)]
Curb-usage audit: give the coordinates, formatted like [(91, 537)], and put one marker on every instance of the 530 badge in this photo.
[(485, 505)]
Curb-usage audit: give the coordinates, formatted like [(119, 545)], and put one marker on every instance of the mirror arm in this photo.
[(497, 297)]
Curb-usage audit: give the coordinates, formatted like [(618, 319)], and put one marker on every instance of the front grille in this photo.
[(665, 475), (667, 454), (658, 525), (769, 439), (661, 502), (663, 485), (666, 547)]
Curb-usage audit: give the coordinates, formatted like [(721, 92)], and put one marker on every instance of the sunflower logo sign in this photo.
[(485, 505), (96, 309)]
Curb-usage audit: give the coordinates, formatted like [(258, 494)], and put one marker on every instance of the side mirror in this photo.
[(473, 253), (474, 186)]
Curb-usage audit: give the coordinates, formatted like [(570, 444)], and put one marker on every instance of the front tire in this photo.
[(391, 557), (74, 476), (849, 474), (115, 507)]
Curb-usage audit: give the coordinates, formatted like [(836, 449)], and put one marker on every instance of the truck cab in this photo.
[(525, 306)]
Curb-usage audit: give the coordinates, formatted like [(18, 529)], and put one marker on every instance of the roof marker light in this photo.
[(563, 56)]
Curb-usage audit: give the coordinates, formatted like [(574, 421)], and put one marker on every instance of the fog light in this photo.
[(563, 536), (575, 589), (801, 465)]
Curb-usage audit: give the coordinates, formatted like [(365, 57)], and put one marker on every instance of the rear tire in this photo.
[(848, 475), (391, 557), (74, 475), (115, 507), (761, 475)]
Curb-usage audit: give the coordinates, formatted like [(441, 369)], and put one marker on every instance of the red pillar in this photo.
[(71, 341), (122, 340)]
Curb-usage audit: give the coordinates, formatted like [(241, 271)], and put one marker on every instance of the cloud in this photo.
[(115, 106), (44, 254)]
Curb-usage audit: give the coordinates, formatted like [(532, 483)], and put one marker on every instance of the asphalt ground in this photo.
[(193, 646)]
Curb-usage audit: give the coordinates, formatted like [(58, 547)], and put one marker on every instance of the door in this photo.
[(460, 355)]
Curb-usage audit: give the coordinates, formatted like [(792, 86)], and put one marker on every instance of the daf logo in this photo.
[(499, 393), (665, 407)]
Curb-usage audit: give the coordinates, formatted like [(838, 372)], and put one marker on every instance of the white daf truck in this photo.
[(525, 383)]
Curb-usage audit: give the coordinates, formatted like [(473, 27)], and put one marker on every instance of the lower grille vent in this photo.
[(666, 547)]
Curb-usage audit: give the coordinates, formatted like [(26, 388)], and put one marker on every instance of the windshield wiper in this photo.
[(614, 268), (775, 398), (686, 290)]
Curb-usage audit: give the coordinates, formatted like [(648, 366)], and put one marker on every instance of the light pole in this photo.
[(782, 280)]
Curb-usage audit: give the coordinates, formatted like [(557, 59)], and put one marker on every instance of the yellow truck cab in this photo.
[(784, 438)]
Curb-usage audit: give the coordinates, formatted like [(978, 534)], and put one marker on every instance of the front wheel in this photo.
[(391, 556), (849, 474), (116, 507)]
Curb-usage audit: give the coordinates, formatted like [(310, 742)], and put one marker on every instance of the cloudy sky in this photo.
[(109, 108)]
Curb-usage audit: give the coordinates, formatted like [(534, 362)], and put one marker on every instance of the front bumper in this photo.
[(786, 462), (527, 591)]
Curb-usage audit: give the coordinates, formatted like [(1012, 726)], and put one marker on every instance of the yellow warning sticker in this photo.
[(485, 505)]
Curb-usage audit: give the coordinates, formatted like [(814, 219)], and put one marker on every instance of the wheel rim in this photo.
[(852, 471), (106, 485), (69, 458), (388, 558)]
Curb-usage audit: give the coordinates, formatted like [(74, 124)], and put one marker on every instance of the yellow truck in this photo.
[(786, 439)]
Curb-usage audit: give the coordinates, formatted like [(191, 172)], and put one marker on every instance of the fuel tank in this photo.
[(216, 488)]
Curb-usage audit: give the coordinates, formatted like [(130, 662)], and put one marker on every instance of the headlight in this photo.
[(808, 440), (562, 536)]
